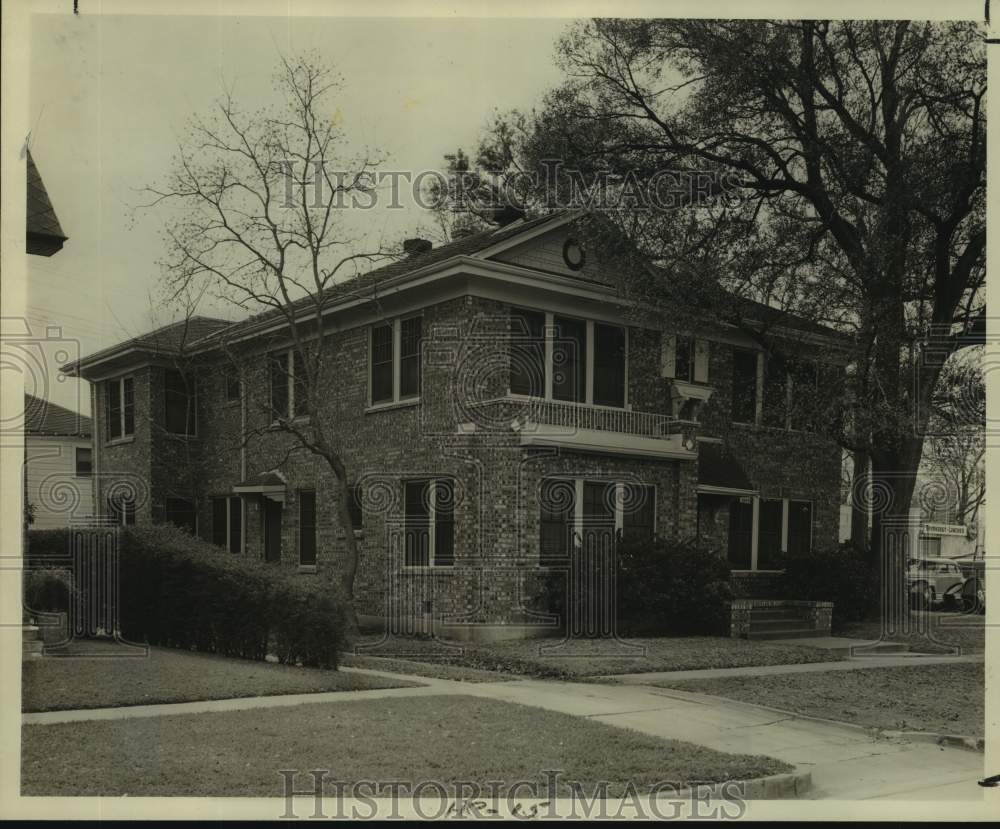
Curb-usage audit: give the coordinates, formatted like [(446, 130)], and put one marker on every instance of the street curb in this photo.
[(788, 786), (943, 740)]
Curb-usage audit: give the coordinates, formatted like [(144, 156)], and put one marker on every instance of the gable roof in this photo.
[(44, 235), (41, 417)]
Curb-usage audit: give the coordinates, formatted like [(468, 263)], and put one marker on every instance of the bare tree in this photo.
[(255, 218)]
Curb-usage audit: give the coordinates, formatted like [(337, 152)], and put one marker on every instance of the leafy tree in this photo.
[(843, 165)]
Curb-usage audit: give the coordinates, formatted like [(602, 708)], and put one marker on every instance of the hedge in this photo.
[(843, 575), (176, 590)]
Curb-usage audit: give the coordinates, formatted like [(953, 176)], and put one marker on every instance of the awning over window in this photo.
[(719, 471), (270, 485)]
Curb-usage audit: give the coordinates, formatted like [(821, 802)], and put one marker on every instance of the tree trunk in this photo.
[(350, 570)]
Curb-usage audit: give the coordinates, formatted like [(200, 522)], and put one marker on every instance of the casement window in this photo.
[(227, 523), (234, 387), (745, 386), (307, 528), (121, 508), (791, 388), (684, 358), (84, 462), (429, 527), (180, 401), (181, 512), (800, 521), (563, 358), (394, 360), (527, 352), (289, 390), (355, 508), (119, 407), (577, 512)]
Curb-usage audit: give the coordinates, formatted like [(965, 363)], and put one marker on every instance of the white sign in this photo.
[(945, 529)]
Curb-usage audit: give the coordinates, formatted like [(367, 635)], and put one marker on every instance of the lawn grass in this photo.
[(165, 675), (931, 632), (943, 699), (432, 670), (444, 738), (594, 657)]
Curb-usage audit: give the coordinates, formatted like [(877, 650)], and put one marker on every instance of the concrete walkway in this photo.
[(892, 661), (846, 762)]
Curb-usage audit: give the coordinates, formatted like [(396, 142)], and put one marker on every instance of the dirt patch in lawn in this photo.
[(432, 670), (943, 699), (593, 657), (448, 739), (164, 675)]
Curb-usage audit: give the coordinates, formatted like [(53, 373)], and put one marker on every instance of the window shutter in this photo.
[(701, 348), (668, 355)]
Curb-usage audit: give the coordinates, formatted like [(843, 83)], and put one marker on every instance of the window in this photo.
[(181, 513), (569, 360), (799, 527), (558, 507), (289, 388), (769, 533), (575, 512), (307, 528), (527, 352), (775, 397), (638, 513), (180, 402), (234, 389), (609, 365), (84, 462), (119, 402), (395, 360), (429, 528), (744, 386), (409, 357), (803, 385), (355, 508), (227, 523), (684, 358), (121, 508), (382, 363)]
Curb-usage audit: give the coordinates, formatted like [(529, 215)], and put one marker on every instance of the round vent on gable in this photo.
[(573, 254)]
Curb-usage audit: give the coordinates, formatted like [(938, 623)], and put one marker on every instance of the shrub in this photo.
[(842, 575), (46, 591), (672, 588), (663, 588), (178, 591)]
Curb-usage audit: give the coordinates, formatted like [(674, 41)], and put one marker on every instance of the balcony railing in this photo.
[(528, 411)]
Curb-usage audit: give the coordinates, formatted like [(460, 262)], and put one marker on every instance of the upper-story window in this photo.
[(745, 382), (180, 400), (565, 358), (289, 391), (684, 358), (84, 462), (395, 360), (119, 405)]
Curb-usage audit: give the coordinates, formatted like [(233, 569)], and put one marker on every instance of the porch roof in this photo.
[(267, 483), (719, 470)]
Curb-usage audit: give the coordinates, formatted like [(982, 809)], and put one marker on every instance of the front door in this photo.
[(272, 530)]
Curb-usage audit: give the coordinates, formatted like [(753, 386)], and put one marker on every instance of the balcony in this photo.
[(586, 428)]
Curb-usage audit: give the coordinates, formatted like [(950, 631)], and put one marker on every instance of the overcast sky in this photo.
[(109, 97)]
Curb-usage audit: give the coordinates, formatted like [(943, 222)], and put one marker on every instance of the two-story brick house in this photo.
[(497, 407)]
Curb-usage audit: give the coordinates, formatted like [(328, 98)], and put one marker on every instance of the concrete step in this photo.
[(782, 633), (32, 648)]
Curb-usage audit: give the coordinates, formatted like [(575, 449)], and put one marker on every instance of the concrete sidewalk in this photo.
[(857, 663), (846, 762)]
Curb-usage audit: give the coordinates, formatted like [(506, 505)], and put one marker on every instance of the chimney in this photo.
[(411, 247), (508, 214)]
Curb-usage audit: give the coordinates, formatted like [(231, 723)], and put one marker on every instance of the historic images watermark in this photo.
[(556, 186), (551, 796)]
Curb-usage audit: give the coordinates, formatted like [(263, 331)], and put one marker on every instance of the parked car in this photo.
[(974, 588), (933, 580)]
